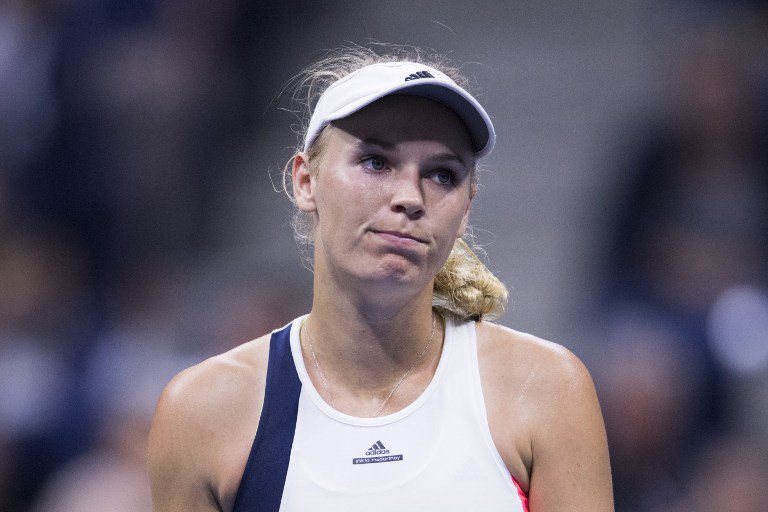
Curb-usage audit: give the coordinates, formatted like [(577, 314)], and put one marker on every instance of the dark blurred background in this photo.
[(625, 205)]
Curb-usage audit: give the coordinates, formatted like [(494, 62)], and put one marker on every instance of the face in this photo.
[(390, 192)]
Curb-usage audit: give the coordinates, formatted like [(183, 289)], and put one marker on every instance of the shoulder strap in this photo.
[(261, 488)]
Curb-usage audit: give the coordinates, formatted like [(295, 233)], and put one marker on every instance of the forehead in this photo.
[(398, 118)]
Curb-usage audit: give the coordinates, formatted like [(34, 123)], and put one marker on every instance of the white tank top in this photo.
[(435, 454)]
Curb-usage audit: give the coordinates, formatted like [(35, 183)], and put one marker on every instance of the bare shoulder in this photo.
[(515, 353), (204, 423), (535, 380), (215, 385), (545, 419)]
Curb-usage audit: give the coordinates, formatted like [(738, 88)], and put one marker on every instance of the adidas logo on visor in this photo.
[(419, 74)]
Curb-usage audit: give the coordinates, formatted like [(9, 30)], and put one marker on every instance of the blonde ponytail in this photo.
[(465, 287)]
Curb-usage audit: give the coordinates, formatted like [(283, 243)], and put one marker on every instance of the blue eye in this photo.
[(374, 163), (444, 177)]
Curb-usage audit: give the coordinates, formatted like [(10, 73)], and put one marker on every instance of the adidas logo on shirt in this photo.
[(419, 74), (377, 453), (377, 449)]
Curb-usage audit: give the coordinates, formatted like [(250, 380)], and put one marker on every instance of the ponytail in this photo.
[(465, 287)]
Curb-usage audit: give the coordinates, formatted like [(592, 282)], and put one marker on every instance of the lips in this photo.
[(399, 236)]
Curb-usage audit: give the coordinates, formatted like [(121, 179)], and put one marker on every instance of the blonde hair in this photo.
[(464, 287)]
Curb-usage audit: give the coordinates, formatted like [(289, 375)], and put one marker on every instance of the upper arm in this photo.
[(570, 469), (203, 429), (177, 456)]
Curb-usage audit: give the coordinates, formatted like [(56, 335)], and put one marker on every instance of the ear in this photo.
[(303, 183), (465, 218)]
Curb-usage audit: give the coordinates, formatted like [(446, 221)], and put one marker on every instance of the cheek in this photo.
[(457, 211), (346, 190), (344, 201), (454, 217)]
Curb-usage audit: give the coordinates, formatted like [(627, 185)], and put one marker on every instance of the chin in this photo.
[(397, 273)]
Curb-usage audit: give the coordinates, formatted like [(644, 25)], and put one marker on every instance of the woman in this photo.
[(394, 393)]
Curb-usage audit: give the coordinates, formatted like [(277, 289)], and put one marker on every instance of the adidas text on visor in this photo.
[(366, 85)]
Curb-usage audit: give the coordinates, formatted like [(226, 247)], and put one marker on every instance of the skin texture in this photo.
[(389, 194)]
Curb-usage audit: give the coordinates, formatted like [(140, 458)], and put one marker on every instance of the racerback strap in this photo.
[(261, 489)]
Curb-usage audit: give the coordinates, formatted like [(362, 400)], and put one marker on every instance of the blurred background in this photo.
[(625, 206)]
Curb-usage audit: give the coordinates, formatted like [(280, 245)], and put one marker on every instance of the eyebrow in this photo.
[(377, 142), (440, 157), (449, 157)]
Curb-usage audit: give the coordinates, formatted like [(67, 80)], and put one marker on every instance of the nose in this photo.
[(408, 196)]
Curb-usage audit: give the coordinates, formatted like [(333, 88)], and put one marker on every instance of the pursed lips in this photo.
[(399, 236)]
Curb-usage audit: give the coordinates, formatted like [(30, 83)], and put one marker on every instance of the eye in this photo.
[(374, 163), (444, 177)]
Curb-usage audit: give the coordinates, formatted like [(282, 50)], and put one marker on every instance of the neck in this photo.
[(365, 342)]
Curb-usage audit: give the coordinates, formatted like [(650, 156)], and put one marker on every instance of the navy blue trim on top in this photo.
[(261, 488)]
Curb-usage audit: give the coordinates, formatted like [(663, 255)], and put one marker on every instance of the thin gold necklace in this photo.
[(324, 382)]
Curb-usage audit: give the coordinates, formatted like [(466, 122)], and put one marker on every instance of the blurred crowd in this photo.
[(683, 325), (118, 120), (138, 237)]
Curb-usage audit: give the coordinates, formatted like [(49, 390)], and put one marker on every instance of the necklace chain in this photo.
[(324, 382), (320, 371)]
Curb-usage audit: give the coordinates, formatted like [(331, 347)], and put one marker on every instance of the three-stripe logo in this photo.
[(419, 74), (377, 449), (377, 453)]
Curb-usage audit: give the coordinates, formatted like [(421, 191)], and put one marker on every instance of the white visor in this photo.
[(366, 85)]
